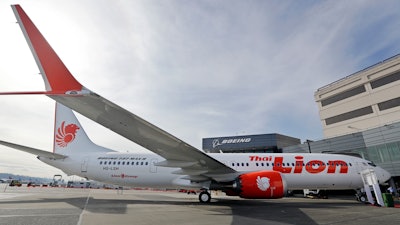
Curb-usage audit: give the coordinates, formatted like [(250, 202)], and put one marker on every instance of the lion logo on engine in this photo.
[(263, 183)]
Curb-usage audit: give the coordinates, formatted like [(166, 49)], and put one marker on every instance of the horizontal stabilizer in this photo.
[(33, 151)]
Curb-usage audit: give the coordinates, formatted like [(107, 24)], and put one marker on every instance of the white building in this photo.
[(366, 99)]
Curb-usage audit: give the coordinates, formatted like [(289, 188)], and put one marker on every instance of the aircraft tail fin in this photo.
[(69, 135)]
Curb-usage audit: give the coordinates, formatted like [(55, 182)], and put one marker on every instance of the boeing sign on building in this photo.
[(249, 143)]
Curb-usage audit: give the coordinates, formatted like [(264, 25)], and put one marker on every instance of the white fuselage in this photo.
[(301, 171)]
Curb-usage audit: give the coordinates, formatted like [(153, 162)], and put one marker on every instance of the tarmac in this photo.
[(69, 206)]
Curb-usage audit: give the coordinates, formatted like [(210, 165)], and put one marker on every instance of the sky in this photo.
[(196, 69)]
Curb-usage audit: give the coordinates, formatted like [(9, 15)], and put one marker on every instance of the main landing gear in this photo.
[(204, 196)]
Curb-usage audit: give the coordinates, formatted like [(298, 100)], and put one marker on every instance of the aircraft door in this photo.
[(153, 167), (84, 164), (361, 166)]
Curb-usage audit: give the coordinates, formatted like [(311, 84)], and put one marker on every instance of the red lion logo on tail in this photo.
[(66, 134)]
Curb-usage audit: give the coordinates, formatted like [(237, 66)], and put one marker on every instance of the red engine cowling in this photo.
[(261, 184)]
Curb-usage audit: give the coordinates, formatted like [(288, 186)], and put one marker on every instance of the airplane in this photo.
[(170, 163)]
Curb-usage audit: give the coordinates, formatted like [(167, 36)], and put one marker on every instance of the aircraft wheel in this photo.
[(204, 197)]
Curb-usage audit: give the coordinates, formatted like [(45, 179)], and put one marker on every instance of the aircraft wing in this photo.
[(64, 88), (34, 151)]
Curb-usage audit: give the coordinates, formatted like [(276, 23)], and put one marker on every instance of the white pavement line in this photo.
[(84, 209), (36, 215)]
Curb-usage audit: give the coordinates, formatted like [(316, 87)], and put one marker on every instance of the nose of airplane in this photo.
[(383, 176)]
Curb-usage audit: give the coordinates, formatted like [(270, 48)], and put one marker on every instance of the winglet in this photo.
[(56, 76)]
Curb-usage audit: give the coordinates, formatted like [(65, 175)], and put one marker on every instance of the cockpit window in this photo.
[(371, 164)]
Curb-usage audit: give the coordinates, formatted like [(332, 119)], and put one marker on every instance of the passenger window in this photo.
[(101, 162)]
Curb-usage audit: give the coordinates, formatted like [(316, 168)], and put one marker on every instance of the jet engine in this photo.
[(260, 184)]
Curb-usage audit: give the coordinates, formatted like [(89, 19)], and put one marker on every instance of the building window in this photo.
[(394, 151), (385, 80), (343, 95), (389, 104), (349, 115)]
